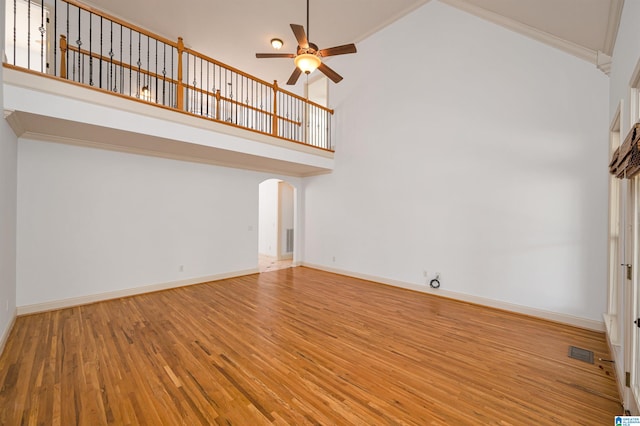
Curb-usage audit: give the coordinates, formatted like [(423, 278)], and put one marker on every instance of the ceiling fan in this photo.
[(308, 57)]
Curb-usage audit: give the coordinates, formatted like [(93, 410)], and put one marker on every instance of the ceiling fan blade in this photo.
[(294, 76), (339, 50), (275, 55), (301, 36), (334, 76)]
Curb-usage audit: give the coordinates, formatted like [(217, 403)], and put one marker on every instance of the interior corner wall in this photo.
[(8, 182), (466, 149), (624, 60), (92, 221)]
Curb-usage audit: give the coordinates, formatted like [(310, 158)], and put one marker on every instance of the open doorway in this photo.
[(275, 225)]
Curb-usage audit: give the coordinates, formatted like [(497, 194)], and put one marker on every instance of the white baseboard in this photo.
[(92, 298), (7, 331), (497, 304)]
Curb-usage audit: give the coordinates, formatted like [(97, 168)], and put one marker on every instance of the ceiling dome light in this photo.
[(276, 43), (307, 62)]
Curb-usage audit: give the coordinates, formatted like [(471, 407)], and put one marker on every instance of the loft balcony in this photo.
[(73, 74)]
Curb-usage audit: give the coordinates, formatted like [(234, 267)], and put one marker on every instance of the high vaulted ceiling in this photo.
[(233, 31)]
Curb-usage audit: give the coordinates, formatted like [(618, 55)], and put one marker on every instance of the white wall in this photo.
[(286, 200), (625, 58), (469, 150), (8, 166), (268, 218), (8, 179), (93, 221)]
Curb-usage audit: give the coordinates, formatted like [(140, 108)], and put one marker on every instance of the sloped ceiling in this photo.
[(233, 31)]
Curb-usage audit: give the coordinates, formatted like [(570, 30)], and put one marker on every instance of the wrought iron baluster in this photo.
[(42, 30), (201, 87), (121, 59), (155, 77), (101, 51), (194, 106), (67, 51), (174, 103), (230, 102), (130, 61), (90, 48), (15, 24), (187, 85), (238, 91), (208, 89), (55, 37), (164, 73), (79, 43), (147, 73), (112, 86), (29, 35), (139, 63)]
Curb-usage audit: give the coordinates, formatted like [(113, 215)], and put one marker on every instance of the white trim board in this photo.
[(476, 300), (5, 335), (100, 297)]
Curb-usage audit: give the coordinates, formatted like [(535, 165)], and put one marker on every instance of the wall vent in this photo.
[(289, 248)]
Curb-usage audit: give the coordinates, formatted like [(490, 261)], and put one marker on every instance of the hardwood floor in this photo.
[(299, 346), (270, 263)]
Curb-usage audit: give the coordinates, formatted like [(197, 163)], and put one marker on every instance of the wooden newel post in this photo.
[(218, 104), (274, 125), (63, 56), (180, 100)]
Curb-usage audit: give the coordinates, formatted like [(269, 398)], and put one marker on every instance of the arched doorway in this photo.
[(275, 225)]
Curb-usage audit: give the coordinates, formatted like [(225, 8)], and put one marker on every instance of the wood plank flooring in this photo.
[(299, 346)]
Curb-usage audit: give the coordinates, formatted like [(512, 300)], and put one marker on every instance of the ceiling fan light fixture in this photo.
[(276, 43), (307, 62)]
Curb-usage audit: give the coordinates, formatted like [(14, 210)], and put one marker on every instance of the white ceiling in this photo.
[(233, 31)]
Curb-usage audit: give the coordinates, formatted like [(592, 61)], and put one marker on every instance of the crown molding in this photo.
[(14, 122), (615, 14), (603, 62), (567, 46)]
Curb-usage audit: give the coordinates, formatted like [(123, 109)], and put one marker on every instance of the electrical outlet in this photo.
[(425, 273), (181, 268), (334, 258)]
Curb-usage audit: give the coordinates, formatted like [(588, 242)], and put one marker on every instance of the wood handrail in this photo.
[(121, 22)]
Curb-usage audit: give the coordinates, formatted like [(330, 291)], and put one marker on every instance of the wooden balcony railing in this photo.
[(72, 41)]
